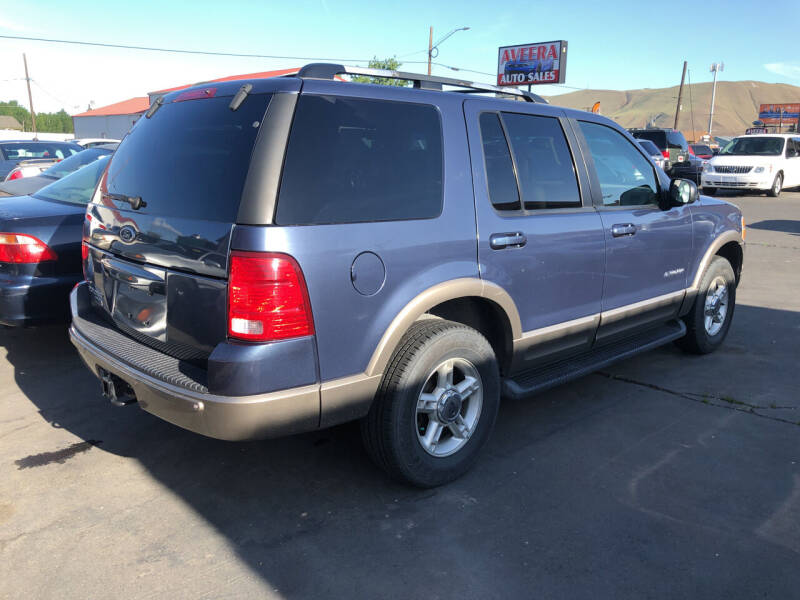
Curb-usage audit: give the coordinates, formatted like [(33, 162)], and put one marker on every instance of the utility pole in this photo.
[(715, 68), (680, 95), (430, 49), (30, 98)]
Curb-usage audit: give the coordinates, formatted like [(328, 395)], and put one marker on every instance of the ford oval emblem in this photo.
[(127, 234)]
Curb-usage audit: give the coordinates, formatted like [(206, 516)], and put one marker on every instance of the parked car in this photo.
[(701, 151), (652, 150), (40, 248), (30, 168), (12, 152), (765, 163), (670, 142), (92, 142), (691, 169), (28, 185), (387, 254)]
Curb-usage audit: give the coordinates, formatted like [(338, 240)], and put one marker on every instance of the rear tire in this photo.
[(709, 320), (436, 405), (777, 186)]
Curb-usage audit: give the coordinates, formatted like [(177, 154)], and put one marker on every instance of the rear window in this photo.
[(677, 141), (659, 138), (190, 159), (701, 149), (649, 147), (75, 162), (27, 150), (77, 187), (354, 160)]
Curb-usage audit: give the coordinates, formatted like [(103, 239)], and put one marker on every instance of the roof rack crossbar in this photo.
[(430, 82)]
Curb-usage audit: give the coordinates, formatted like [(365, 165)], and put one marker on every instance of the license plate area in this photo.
[(136, 297)]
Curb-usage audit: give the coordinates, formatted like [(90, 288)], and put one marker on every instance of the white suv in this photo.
[(765, 162)]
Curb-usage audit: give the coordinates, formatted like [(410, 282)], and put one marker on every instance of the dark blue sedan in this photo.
[(40, 248)]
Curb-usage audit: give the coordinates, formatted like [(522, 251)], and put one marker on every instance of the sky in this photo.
[(621, 45)]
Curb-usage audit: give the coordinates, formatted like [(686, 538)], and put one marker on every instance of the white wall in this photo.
[(111, 126), (13, 134)]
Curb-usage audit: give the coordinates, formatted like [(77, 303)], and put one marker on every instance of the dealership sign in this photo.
[(532, 64), (776, 114)]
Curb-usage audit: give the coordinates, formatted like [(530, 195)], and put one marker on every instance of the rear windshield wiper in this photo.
[(240, 96), (136, 202), (156, 105)]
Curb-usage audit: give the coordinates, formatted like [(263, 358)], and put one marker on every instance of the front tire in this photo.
[(709, 320), (436, 405), (777, 186)]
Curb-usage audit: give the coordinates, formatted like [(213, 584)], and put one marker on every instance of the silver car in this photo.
[(654, 153)]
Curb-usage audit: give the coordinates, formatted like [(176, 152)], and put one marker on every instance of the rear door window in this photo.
[(190, 159), (547, 177), (353, 160), (502, 183)]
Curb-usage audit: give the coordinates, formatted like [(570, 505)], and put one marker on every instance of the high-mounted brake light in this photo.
[(19, 248), (196, 94), (267, 298)]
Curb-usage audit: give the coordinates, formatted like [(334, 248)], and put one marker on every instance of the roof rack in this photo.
[(426, 82)]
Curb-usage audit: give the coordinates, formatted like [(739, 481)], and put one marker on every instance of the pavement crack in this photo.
[(729, 403)]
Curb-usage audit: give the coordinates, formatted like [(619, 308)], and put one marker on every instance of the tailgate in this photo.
[(160, 223)]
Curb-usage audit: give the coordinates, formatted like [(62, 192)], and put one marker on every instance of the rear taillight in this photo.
[(665, 153), (85, 260), (20, 248), (17, 174), (267, 298)]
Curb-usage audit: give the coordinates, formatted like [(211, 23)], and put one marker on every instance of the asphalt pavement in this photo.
[(667, 476)]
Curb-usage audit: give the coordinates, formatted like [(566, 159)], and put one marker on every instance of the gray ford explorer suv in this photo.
[(276, 256)]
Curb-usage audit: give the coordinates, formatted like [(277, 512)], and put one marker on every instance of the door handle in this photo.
[(623, 229), (516, 239)]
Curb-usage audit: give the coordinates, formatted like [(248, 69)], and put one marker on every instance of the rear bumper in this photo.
[(26, 300), (227, 418), (178, 392)]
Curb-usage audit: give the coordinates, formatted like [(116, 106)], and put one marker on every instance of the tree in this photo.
[(59, 122), (388, 64)]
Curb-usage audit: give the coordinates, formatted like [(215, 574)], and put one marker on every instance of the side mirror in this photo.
[(681, 192)]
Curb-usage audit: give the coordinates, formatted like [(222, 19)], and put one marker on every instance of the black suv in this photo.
[(672, 144)]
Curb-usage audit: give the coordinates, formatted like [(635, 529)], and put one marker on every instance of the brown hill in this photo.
[(735, 107)]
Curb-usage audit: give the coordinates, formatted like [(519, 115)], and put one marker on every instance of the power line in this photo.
[(68, 104), (177, 50)]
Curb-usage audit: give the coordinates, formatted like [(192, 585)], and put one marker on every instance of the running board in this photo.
[(541, 378)]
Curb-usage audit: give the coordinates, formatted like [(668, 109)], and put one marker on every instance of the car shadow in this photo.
[(311, 516), (791, 226)]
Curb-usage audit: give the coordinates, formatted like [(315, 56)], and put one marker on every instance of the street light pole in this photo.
[(715, 67), (435, 47), (430, 49)]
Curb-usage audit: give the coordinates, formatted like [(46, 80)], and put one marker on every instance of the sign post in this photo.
[(540, 63)]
